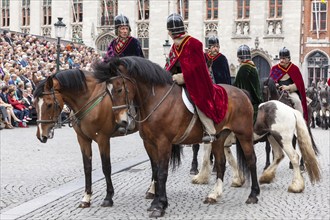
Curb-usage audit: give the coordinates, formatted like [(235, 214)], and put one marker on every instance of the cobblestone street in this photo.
[(31, 171)]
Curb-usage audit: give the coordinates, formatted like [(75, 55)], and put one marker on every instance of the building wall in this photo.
[(310, 41), (293, 36)]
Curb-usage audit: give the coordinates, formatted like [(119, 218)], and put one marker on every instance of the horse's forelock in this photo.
[(39, 89)]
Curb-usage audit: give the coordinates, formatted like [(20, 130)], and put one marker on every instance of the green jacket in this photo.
[(248, 78)]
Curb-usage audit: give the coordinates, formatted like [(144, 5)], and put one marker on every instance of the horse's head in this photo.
[(311, 93), (48, 103), (122, 91), (324, 95)]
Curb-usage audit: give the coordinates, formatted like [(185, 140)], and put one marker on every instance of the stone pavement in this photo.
[(185, 199)]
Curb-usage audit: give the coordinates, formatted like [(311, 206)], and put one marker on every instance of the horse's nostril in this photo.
[(123, 123)]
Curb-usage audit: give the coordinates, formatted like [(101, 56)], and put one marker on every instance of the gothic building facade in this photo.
[(265, 26)]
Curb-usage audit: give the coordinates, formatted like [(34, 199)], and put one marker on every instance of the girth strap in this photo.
[(188, 130)]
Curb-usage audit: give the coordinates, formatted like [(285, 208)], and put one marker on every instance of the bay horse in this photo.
[(165, 121), (92, 120)]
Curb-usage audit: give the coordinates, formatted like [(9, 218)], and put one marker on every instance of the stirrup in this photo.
[(208, 138)]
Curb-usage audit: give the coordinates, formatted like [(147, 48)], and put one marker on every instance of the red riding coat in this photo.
[(210, 98), (278, 71)]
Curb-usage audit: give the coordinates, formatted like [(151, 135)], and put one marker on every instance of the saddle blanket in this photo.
[(187, 102)]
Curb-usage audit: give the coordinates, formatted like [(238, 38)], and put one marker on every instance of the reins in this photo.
[(160, 102), (127, 105)]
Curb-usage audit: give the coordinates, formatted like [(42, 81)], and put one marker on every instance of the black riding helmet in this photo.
[(213, 40), (284, 53), (175, 24), (244, 52), (121, 20)]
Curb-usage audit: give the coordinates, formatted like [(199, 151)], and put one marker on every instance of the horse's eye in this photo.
[(119, 90), (49, 105)]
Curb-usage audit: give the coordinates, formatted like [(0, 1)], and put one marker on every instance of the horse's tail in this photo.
[(241, 160), (176, 156), (307, 147)]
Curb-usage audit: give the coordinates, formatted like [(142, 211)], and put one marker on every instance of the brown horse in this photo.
[(92, 119), (164, 120)]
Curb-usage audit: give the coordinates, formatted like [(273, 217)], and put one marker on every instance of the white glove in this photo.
[(178, 78)]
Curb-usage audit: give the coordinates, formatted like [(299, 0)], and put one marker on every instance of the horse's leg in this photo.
[(269, 174), (86, 150), (267, 148), (150, 194), (104, 147), (160, 203), (238, 176), (297, 185), (220, 163), (203, 176), (194, 163), (246, 145)]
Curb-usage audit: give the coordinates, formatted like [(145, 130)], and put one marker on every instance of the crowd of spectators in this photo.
[(26, 58)]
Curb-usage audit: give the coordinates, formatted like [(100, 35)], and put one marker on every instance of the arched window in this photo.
[(262, 66), (318, 65)]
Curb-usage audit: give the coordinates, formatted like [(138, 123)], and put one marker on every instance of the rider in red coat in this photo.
[(289, 78), (211, 99)]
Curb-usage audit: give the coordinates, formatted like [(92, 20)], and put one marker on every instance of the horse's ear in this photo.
[(49, 83)]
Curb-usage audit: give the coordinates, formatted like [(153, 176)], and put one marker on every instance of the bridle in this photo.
[(56, 107), (129, 106)]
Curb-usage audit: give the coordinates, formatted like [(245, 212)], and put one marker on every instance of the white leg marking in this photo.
[(217, 190), (87, 198), (152, 187), (203, 176)]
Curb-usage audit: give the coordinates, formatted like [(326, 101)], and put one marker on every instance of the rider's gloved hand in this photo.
[(178, 78)]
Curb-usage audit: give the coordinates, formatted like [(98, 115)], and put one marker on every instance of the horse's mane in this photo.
[(271, 85), (137, 67), (73, 79)]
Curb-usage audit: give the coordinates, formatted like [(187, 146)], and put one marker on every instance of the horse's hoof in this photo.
[(150, 195), (194, 171), (107, 203), (209, 201), (157, 213), (252, 200), (84, 205), (152, 208)]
